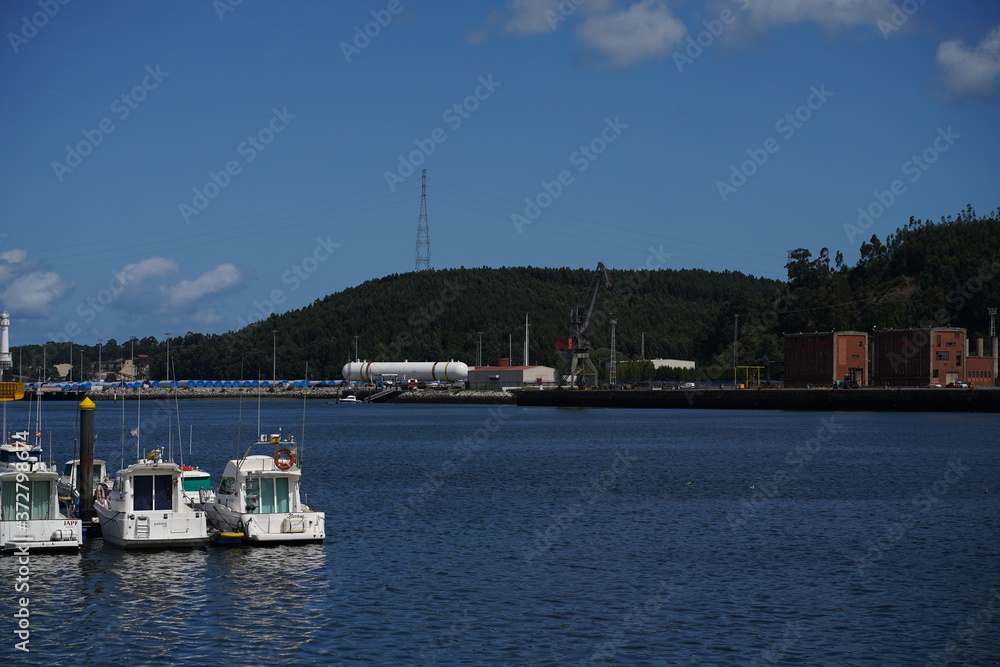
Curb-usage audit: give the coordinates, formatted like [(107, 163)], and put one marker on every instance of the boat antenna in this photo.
[(177, 412), (123, 434), (302, 440), (239, 422), (138, 420)]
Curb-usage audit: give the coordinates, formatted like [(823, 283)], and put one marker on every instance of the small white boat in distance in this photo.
[(29, 502), (349, 399), (259, 496), (145, 508), (196, 486)]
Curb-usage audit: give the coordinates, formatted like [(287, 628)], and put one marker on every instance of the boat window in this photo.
[(67, 469), (281, 494), (196, 483), (273, 495), (228, 485), (267, 495), (152, 492), (37, 506), (142, 492)]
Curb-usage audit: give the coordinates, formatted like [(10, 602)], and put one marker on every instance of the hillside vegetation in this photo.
[(944, 273)]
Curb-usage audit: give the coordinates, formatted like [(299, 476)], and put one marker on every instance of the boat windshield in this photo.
[(196, 483), (12, 505), (152, 492)]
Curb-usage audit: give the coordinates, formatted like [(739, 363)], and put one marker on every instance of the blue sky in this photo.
[(192, 166)]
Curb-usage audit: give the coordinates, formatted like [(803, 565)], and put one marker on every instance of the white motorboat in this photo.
[(352, 399), (260, 497), (145, 508), (69, 495), (196, 486), (29, 502)]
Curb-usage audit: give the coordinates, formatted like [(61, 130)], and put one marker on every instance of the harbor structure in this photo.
[(919, 357), (505, 376), (826, 359), (421, 371)]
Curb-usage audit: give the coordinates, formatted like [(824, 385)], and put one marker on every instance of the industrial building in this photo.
[(505, 376), (918, 357), (672, 363), (823, 358)]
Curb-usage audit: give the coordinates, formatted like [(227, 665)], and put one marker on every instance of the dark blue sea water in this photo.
[(534, 536)]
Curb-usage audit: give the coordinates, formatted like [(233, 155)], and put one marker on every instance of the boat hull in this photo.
[(277, 528), (153, 530), (41, 535)]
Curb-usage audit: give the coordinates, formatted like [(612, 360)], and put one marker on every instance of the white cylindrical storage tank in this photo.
[(423, 371)]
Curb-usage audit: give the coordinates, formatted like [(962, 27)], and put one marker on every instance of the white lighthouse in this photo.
[(6, 363)]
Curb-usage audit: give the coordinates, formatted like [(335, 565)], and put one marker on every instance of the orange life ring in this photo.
[(284, 459), (99, 494)]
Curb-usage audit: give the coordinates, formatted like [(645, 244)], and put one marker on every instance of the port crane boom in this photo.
[(577, 367)]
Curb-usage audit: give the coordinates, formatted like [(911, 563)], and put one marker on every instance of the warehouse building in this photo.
[(826, 358), (918, 357), (510, 377)]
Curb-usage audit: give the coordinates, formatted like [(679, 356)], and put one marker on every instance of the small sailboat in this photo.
[(259, 497), (29, 501), (145, 508)]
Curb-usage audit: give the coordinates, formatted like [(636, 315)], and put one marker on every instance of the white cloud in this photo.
[(830, 14), (645, 30), (531, 17), (188, 292), (132, 276), (207, 317), (32, 295), (971, 71), (11, 261), (151, 267), (477, 37)]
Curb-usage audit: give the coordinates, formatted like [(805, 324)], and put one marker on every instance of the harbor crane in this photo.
[(576, 346)]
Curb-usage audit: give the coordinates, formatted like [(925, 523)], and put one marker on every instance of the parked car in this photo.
[(934, 385), (957, 384)]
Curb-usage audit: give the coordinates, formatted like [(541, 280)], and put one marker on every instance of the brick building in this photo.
[(918, 357), (821, 358)]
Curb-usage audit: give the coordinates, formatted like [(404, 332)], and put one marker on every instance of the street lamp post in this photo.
[(479, 353), (274, 356), (356, 357), (100, 357), (736, 347), (70, 361), (131, 359)]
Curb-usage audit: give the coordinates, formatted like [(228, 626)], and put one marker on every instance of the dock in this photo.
[(866, 399)]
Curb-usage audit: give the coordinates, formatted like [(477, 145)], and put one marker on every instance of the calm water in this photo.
[(534, 536)]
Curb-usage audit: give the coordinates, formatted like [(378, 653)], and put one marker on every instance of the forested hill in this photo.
[(436, 315), (924, 274)]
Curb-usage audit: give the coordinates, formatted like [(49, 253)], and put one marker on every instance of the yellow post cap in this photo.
[(87, 404)]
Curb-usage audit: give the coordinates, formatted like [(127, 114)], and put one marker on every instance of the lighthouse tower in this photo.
[(6, 363)]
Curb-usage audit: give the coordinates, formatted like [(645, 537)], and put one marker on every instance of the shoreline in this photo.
[(865, 399)]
